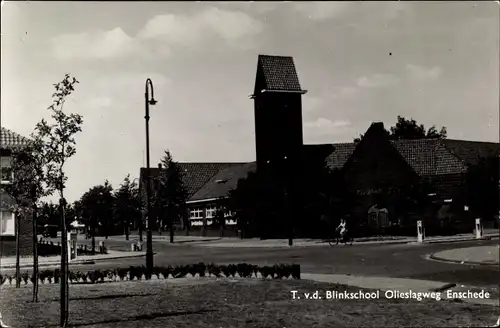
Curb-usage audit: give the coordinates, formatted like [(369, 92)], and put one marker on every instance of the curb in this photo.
[(442, 259), (78, 262), (461, 239)]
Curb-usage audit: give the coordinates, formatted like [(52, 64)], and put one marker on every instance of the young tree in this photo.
[(59, 143), (127, 207), (27, 188), (171, 196)]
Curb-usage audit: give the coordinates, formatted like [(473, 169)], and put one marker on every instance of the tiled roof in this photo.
[(471, 151), (225, 180), (195, 175), (9, 139), (427, 156), (340, 155), (279, 73)]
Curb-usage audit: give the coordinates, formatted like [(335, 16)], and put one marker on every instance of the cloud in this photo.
[(162, 33), (423, 73), (93, 45), (231, 26), (321, 10), (324, 125), (311, 104), (344, 92), (376, 81)]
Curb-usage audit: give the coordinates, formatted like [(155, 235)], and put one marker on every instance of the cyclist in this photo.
[(343, 229)]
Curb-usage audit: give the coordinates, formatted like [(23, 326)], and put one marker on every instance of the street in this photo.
[(385, 260)]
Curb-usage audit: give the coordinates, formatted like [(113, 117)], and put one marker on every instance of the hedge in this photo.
[(242, 270)]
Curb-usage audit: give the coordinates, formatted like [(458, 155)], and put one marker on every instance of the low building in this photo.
[(371, 166), (10, 141)]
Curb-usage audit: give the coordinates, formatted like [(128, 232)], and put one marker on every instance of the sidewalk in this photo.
[(481, 255), (404, 285), (178, 239), (27, 262), (256, 243)]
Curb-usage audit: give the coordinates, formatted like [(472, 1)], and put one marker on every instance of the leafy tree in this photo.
[(60, 145), (97, 206), (49, 214), (171, 195), (28, 186), (127, 207), (409, 129)]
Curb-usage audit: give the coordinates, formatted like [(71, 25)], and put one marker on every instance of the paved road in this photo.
[(400, 260)]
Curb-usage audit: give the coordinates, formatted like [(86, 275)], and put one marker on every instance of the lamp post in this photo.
[(149, 238)]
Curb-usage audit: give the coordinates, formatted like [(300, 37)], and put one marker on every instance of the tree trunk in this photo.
[(127, 232), (17, 222), (93, 239), (140, 229), (35, 254), (64, 266), (171, 233)]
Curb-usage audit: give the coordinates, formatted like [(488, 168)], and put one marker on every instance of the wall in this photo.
[(203, 207), (8, 243)]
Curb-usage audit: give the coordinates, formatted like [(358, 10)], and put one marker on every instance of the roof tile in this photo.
[(279, 73), (225, 180), (10, 139)]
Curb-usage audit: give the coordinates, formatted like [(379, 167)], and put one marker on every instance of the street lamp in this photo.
[(149, 240)]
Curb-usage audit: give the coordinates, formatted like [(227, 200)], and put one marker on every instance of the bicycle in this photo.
[(347, 240)]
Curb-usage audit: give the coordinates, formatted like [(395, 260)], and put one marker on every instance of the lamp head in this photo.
[(153, 101)]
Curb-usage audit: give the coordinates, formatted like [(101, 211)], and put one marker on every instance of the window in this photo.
[(5, 163), (196, 213), (7, 223), (211, 209)]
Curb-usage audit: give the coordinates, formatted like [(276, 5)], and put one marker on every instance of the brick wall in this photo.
[(8, 243)]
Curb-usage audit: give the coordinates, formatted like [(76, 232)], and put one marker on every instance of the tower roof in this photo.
[(277, 73)]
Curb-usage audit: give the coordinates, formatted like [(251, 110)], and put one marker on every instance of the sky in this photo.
[(436, 62)]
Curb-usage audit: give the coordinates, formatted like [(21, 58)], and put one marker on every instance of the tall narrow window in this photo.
[(7, 223)]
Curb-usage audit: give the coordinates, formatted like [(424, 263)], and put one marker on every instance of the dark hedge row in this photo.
[(243, 270), (49, 248)]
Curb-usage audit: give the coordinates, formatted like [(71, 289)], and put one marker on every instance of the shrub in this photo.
[(244, 270), (214, 270)]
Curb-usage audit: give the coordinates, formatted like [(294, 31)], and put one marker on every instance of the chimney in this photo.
[(159, 166)]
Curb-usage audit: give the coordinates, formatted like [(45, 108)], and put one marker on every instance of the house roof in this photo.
[(427, 156), (224, 181), (471, 151), (279, 73), (195, 175), (10, 139)]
